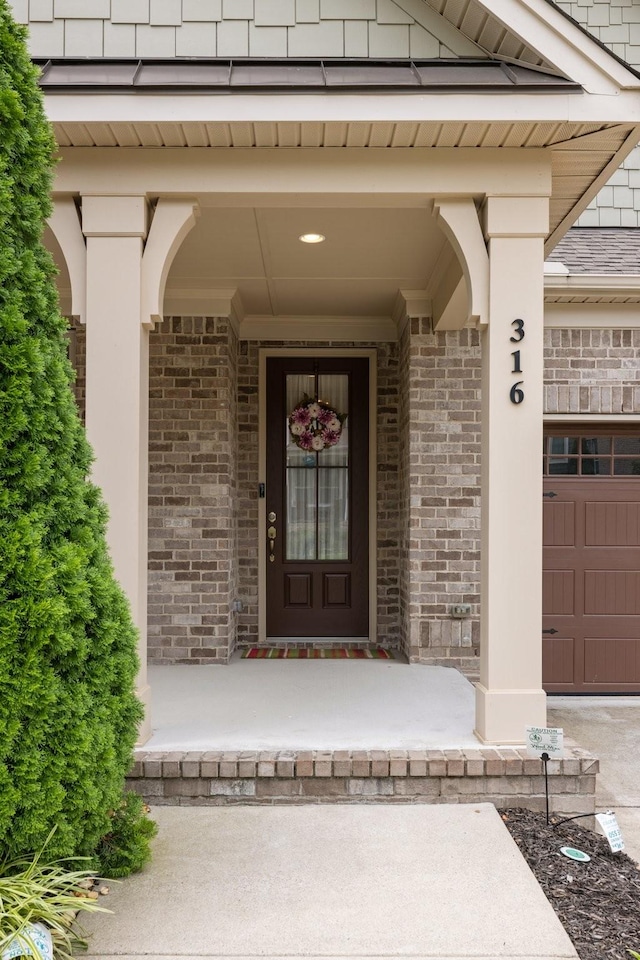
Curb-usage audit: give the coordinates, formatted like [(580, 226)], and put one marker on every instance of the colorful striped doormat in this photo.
[(315, 653)]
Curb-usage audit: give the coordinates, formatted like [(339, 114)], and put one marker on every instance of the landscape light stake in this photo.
[(545, 759)]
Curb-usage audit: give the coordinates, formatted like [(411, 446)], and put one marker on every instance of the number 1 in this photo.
[(516, 361)]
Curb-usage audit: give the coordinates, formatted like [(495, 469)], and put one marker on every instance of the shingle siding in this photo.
[(617, 24), (254, 28)]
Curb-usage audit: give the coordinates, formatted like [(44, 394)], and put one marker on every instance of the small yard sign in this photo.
[(541, 740), (611, 830), (36, 936)]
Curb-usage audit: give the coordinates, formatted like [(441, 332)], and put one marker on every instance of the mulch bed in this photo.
[(598, 903)]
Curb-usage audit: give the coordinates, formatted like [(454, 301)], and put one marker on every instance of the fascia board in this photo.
[(513, 107), (563, 44), (329, 172)]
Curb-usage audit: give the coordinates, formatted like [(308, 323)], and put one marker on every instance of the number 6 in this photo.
[(516, 395)]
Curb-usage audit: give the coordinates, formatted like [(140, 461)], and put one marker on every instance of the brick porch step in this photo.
[(505, 777)]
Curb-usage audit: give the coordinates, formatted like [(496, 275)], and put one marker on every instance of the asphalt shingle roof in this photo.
[(600, 250)]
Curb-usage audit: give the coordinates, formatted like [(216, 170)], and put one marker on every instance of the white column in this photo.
[(117, 395), (509, 695)]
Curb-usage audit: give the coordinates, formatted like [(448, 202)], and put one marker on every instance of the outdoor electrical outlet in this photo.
[(236, 606), (460, 610)]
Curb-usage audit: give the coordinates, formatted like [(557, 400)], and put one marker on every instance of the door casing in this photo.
[(264, 353)]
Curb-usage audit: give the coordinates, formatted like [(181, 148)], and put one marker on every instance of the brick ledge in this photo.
[(487, 762)]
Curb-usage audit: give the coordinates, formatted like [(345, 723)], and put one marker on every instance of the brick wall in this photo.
[(443, 492), (78, 357), (204, 476), (505, 777), (592, 371), (237, 28), (192, 490), (387, 480)]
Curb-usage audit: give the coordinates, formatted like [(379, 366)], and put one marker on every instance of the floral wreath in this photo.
[(314, 424)]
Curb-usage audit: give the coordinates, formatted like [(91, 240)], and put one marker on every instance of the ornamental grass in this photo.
[(33, 891)]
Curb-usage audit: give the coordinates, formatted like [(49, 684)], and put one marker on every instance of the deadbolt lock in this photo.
[(272, 517)]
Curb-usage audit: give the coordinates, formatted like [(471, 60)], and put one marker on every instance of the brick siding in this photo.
[(443, 446), (504, 777), (592, 371), (192, 490), (203, 511)]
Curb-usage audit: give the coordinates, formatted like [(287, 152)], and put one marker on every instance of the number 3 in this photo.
[(519, 325)]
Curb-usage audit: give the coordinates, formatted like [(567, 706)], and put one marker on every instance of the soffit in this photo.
[(486, 31), (580, 152), (582, 298)]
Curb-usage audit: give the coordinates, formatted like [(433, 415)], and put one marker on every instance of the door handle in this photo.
[(551, 631), (271, 534)]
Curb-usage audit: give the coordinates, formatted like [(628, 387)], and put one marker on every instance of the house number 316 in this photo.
[(516, 394)]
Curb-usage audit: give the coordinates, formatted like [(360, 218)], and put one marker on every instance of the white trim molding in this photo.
[(563, 44)]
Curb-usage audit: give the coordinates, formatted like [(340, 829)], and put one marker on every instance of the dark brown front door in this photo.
[(317, 497), (591, 584)]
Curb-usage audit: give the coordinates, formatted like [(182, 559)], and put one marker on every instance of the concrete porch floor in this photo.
[(310, 705)]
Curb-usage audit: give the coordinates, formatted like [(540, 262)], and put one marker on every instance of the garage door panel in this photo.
[(612, 592), (559, 524), (558, 654), (591, 624), (558, 592), (612, 524), (614, 661)]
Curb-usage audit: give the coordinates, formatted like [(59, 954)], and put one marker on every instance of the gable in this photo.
[(483, 28), (375, 29)]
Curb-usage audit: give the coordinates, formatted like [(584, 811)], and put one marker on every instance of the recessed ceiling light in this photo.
[(312, 237)]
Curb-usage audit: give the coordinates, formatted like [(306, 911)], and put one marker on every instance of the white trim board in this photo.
[(602, 418)]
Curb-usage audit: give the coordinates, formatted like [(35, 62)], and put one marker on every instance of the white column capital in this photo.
[(516, 217), (104, 216), (411, 305)]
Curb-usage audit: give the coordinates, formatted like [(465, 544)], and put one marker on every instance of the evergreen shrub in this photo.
[(68, 713), (127, 847)]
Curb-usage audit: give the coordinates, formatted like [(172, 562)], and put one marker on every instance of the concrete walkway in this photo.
[(331, 881), (610, 728)]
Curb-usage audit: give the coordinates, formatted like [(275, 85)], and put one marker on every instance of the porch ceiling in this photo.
[(367, 256)]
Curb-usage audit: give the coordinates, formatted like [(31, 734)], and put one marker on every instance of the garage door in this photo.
[(591, 583)]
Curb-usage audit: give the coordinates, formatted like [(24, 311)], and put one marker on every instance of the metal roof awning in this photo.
[(223, 76)]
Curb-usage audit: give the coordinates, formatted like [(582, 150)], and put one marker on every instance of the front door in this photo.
[(317, 497)]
